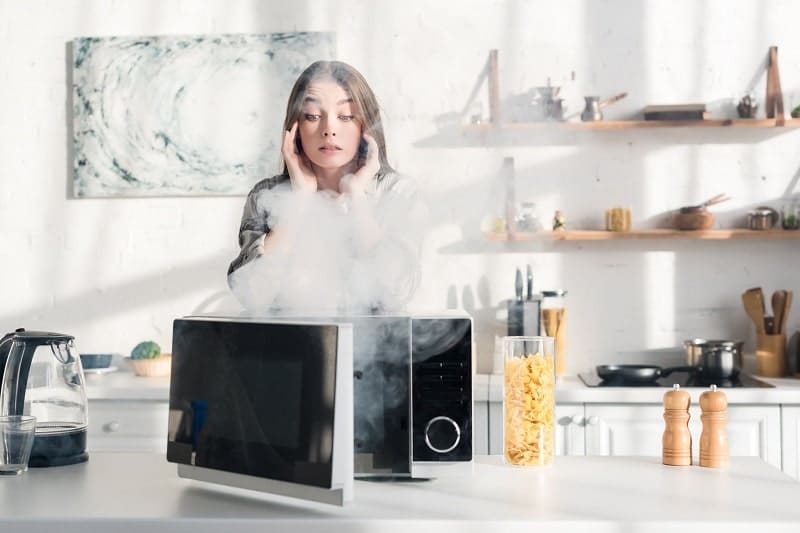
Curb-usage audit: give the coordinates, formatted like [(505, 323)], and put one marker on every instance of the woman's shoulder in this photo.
[(395, 183), (270, 183)]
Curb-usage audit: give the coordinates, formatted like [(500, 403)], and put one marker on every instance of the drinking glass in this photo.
[(16, 441), (528, 400)]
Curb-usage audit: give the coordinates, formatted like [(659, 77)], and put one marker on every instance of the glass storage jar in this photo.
[(528, 401), (790, 216), (554, 324)]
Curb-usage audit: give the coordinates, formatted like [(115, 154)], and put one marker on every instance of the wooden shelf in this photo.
[(599, 235), (790, 124)]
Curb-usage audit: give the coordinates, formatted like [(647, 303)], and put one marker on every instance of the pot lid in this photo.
[(557, 292), (763, 211)]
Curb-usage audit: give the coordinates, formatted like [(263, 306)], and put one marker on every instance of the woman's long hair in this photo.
[(366, 106)]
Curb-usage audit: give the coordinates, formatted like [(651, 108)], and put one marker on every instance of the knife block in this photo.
[(523, 317)]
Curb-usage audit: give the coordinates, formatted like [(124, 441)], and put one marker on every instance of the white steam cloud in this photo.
[(322, 265)]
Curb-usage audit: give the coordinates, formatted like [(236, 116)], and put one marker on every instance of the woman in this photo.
[(311, 238)]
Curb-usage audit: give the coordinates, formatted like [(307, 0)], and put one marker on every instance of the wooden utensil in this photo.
[(778, 305), (787, 306), (753, 300), (722, 197)]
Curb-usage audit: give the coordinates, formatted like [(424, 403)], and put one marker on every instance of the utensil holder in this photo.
[(771, 355)]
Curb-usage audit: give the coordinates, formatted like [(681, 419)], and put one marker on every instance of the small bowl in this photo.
[(694, 220), (95, 360), (151, 368)]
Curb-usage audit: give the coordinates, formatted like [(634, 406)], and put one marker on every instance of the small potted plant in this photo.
[(148, 361)]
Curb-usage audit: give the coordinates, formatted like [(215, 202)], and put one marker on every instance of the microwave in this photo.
[(412, 388), (408, 381)]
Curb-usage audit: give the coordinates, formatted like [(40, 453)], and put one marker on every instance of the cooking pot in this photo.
[(762, 218), (713, 353)]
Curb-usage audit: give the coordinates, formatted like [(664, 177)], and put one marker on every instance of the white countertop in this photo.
[(141, 492), (124, 385), (570, 389)]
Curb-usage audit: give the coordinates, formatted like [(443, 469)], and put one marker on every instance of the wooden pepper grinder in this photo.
[(714, 439), (676, 444)]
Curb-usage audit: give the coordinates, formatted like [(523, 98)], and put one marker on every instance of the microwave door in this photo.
[(256, 405)]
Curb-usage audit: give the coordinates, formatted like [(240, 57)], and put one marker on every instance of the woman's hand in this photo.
[(356, 184), (298, 165)]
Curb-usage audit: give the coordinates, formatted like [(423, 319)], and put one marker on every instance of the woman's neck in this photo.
[(329, 178)]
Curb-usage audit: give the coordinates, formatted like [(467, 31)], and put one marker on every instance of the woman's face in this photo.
[(328, 129)]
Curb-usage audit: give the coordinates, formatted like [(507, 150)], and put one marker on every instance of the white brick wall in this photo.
[(113, 272)]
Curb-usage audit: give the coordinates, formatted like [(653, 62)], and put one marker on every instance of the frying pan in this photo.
[(722, 368), (638, 373)]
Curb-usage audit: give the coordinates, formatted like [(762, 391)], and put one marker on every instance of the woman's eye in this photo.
[(311, 118), (346, 118)]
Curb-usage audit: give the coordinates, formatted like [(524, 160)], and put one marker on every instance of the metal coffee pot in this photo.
[(550, 107), (592, 109)]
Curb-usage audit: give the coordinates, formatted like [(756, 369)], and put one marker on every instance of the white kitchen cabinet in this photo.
[(570, 421), (636, 429), (569, 429), (495, 428), (790, 445), (480, 427), (127, 426)]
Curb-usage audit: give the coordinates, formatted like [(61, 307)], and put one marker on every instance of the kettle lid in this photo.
[(39, 337)]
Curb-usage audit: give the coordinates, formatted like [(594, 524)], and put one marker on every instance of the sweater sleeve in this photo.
[(253, 229)]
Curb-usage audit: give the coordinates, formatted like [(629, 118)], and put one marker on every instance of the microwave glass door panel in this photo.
[(254, 398)]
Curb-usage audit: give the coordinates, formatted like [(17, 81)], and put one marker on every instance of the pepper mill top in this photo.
[(713, 400), (676, 398)]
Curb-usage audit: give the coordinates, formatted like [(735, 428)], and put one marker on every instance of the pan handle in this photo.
[(667, 371)]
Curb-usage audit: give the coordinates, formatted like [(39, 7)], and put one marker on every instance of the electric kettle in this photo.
[(41, 375)]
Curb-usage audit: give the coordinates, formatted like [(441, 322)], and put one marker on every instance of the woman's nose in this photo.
[(327, 128)]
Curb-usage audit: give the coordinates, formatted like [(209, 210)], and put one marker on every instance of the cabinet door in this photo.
[(495, 428), (569, 429), (636, 429), (623, 429), (790, 424), (570, 439), (480, 427), (127, 426)]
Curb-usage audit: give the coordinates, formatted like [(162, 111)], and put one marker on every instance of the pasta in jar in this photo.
[(529, 409)]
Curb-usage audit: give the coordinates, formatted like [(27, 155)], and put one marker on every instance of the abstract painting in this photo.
[(183, 115)]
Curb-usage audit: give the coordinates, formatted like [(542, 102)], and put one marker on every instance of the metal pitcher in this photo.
[(592, 110)]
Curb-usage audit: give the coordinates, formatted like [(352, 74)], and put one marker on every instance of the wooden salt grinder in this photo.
[(714, 439), (676, 444)]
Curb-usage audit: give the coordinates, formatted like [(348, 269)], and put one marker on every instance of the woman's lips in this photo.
[(330, 149)]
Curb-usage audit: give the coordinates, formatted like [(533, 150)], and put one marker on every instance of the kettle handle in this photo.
[(14, 382)]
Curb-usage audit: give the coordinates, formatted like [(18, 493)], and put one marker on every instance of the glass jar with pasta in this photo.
[(528, 400)]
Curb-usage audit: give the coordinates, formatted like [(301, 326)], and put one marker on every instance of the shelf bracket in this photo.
[(774, 94), (494, 90)]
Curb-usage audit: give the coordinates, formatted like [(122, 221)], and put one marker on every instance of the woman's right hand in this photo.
[(298, 165)]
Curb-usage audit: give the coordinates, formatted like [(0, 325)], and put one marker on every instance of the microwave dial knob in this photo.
[(442, 434)]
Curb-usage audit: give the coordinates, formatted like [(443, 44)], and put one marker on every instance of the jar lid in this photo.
[(763, 211), (557, 292)]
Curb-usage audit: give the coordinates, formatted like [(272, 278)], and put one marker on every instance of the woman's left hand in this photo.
[(356, 184)]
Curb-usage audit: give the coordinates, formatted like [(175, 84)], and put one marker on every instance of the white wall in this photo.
[(113, 272)]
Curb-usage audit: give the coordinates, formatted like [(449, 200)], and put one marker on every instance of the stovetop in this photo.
[(684, 379)]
